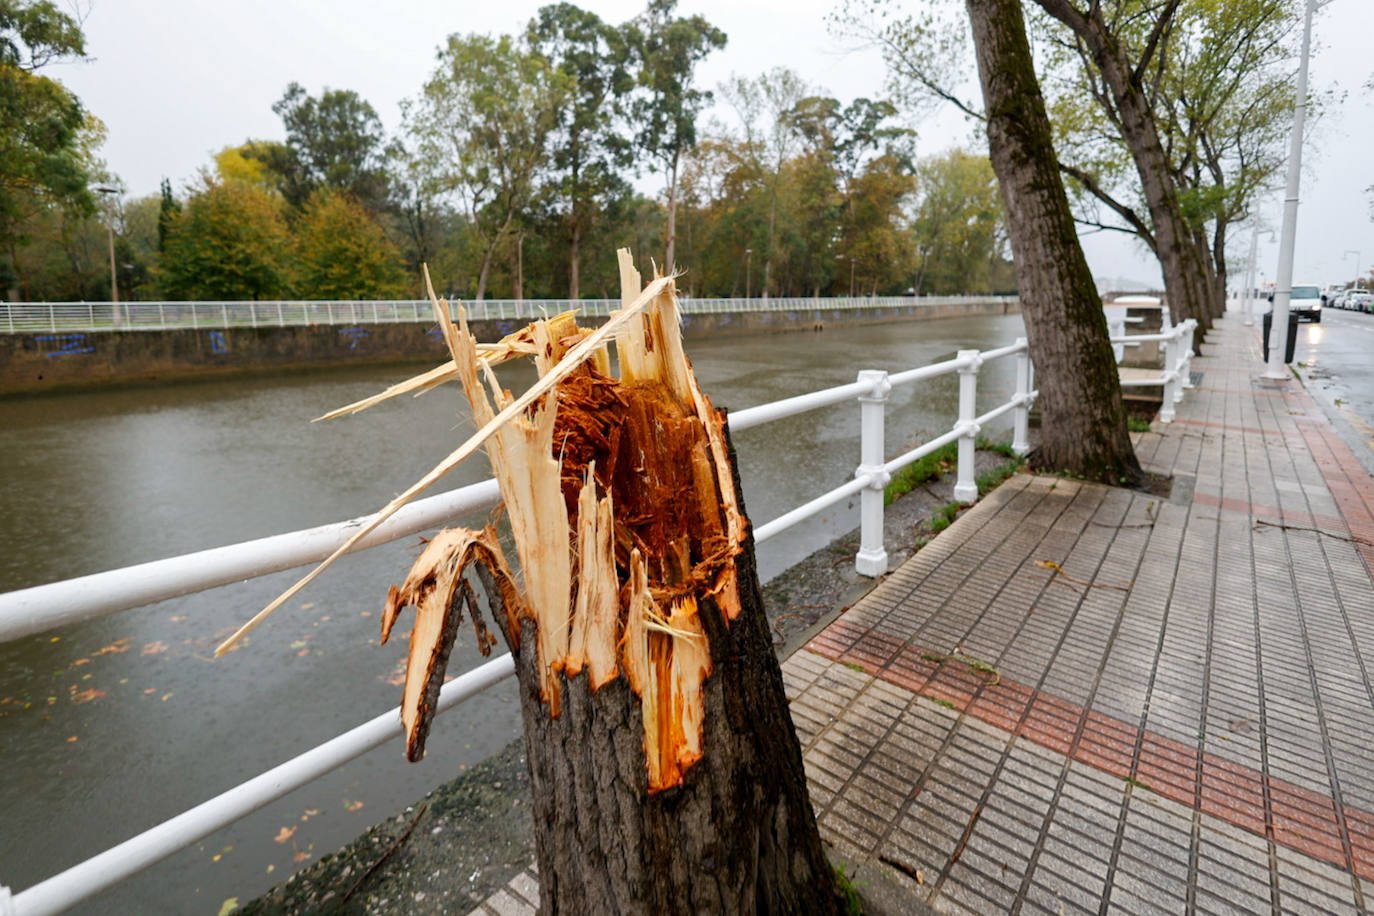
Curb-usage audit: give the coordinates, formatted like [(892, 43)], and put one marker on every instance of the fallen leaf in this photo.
[(271, 868), (352, 805), (85, 696), (114, 648), (150, 690), (154, 648), (72, 739), (177, 619), (365, 614), (81, 661), (302, 653), (166, 696), (228, 906), (298, 644), (55, 639), (300, 857), (216, 857), (307, 606), (284, 834)]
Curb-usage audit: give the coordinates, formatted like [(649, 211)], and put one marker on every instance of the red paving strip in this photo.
[(1243, 429), (1349, 484), (1299, 818), (1273, 513)]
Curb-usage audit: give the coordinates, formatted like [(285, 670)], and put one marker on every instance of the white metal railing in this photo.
[(1176, 374), (65, 317), (32, 610)]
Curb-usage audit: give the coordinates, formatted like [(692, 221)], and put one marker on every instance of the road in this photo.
[(1336, 359)]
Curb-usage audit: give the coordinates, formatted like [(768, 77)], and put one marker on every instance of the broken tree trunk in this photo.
[(666, 773)]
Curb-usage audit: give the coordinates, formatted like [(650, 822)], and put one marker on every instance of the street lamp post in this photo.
[(114, 274), (851, 276), (1283, 283), (1356, 253), (748, 268)]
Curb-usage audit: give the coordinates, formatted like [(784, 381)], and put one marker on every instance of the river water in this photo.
[(112, 726)]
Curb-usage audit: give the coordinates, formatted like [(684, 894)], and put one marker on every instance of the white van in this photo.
[(1305, 302)]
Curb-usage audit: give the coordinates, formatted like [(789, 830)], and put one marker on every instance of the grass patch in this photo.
[(1137, 424), (920, 471), (853, 904), (855, 666), (939, 702), (943, 517)]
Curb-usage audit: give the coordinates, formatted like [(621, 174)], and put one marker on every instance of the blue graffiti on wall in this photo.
[(218, 344), (353, 335), (70, 344)]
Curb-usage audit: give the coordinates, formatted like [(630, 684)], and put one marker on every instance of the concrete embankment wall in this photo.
[(57, 361)]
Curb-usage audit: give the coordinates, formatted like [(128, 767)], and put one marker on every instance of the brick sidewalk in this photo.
[(1085, 699), (1175, 719)]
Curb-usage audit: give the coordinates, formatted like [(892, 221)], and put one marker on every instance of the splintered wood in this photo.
[(621, 502)]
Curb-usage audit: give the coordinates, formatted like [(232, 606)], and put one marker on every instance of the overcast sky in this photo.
[(175, 82)]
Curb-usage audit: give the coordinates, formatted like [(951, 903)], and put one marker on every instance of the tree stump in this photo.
[(666, 773)]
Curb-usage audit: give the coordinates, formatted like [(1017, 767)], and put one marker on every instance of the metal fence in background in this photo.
[(25, 317)]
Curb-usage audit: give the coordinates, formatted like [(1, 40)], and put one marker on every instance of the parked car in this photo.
[(1305, 301), (1359, 299)]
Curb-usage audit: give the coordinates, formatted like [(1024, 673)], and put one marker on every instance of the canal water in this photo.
[(110, 727)]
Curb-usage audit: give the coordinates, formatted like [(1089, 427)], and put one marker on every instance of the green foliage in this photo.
[(230, 242), (481, 131), (588, 151), (853, 903), (44, 157), (920, 471), (1137, 424), (664, 109), (958, 226), (334, 141), (944, 516), (342, 253)]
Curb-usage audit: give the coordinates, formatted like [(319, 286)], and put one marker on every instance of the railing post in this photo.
[(966, 488), (1020, 435), (1185, 356), (1166, 409), (281, 319), (161, 316), (871, 559), (224, 313)]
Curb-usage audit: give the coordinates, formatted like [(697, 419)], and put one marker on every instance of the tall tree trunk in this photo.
[(1185, 281), (1083, 430), (672, 216), (574, 268), (665, 772)]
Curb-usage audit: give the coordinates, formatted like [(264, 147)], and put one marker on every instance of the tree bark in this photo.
[(1083, 430), (672, 216), (1185, 280)]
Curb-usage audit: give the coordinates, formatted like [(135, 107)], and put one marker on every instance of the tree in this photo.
[(588, 152), (43, 150), (342, 252), (1084, 427), (664, 110), (481, 130), (765, 106), (1223, 100), (956, 224), (334, 141), (230, 242)]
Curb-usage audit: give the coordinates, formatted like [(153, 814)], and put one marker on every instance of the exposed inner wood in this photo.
[(621, 501)]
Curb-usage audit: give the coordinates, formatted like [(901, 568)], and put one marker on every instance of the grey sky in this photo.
[(175, 82)]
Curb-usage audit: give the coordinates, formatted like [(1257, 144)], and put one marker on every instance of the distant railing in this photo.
[(32, 610), (28, 317)]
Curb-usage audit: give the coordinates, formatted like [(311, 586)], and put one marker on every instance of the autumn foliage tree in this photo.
[(230, 241), (342, 252)]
